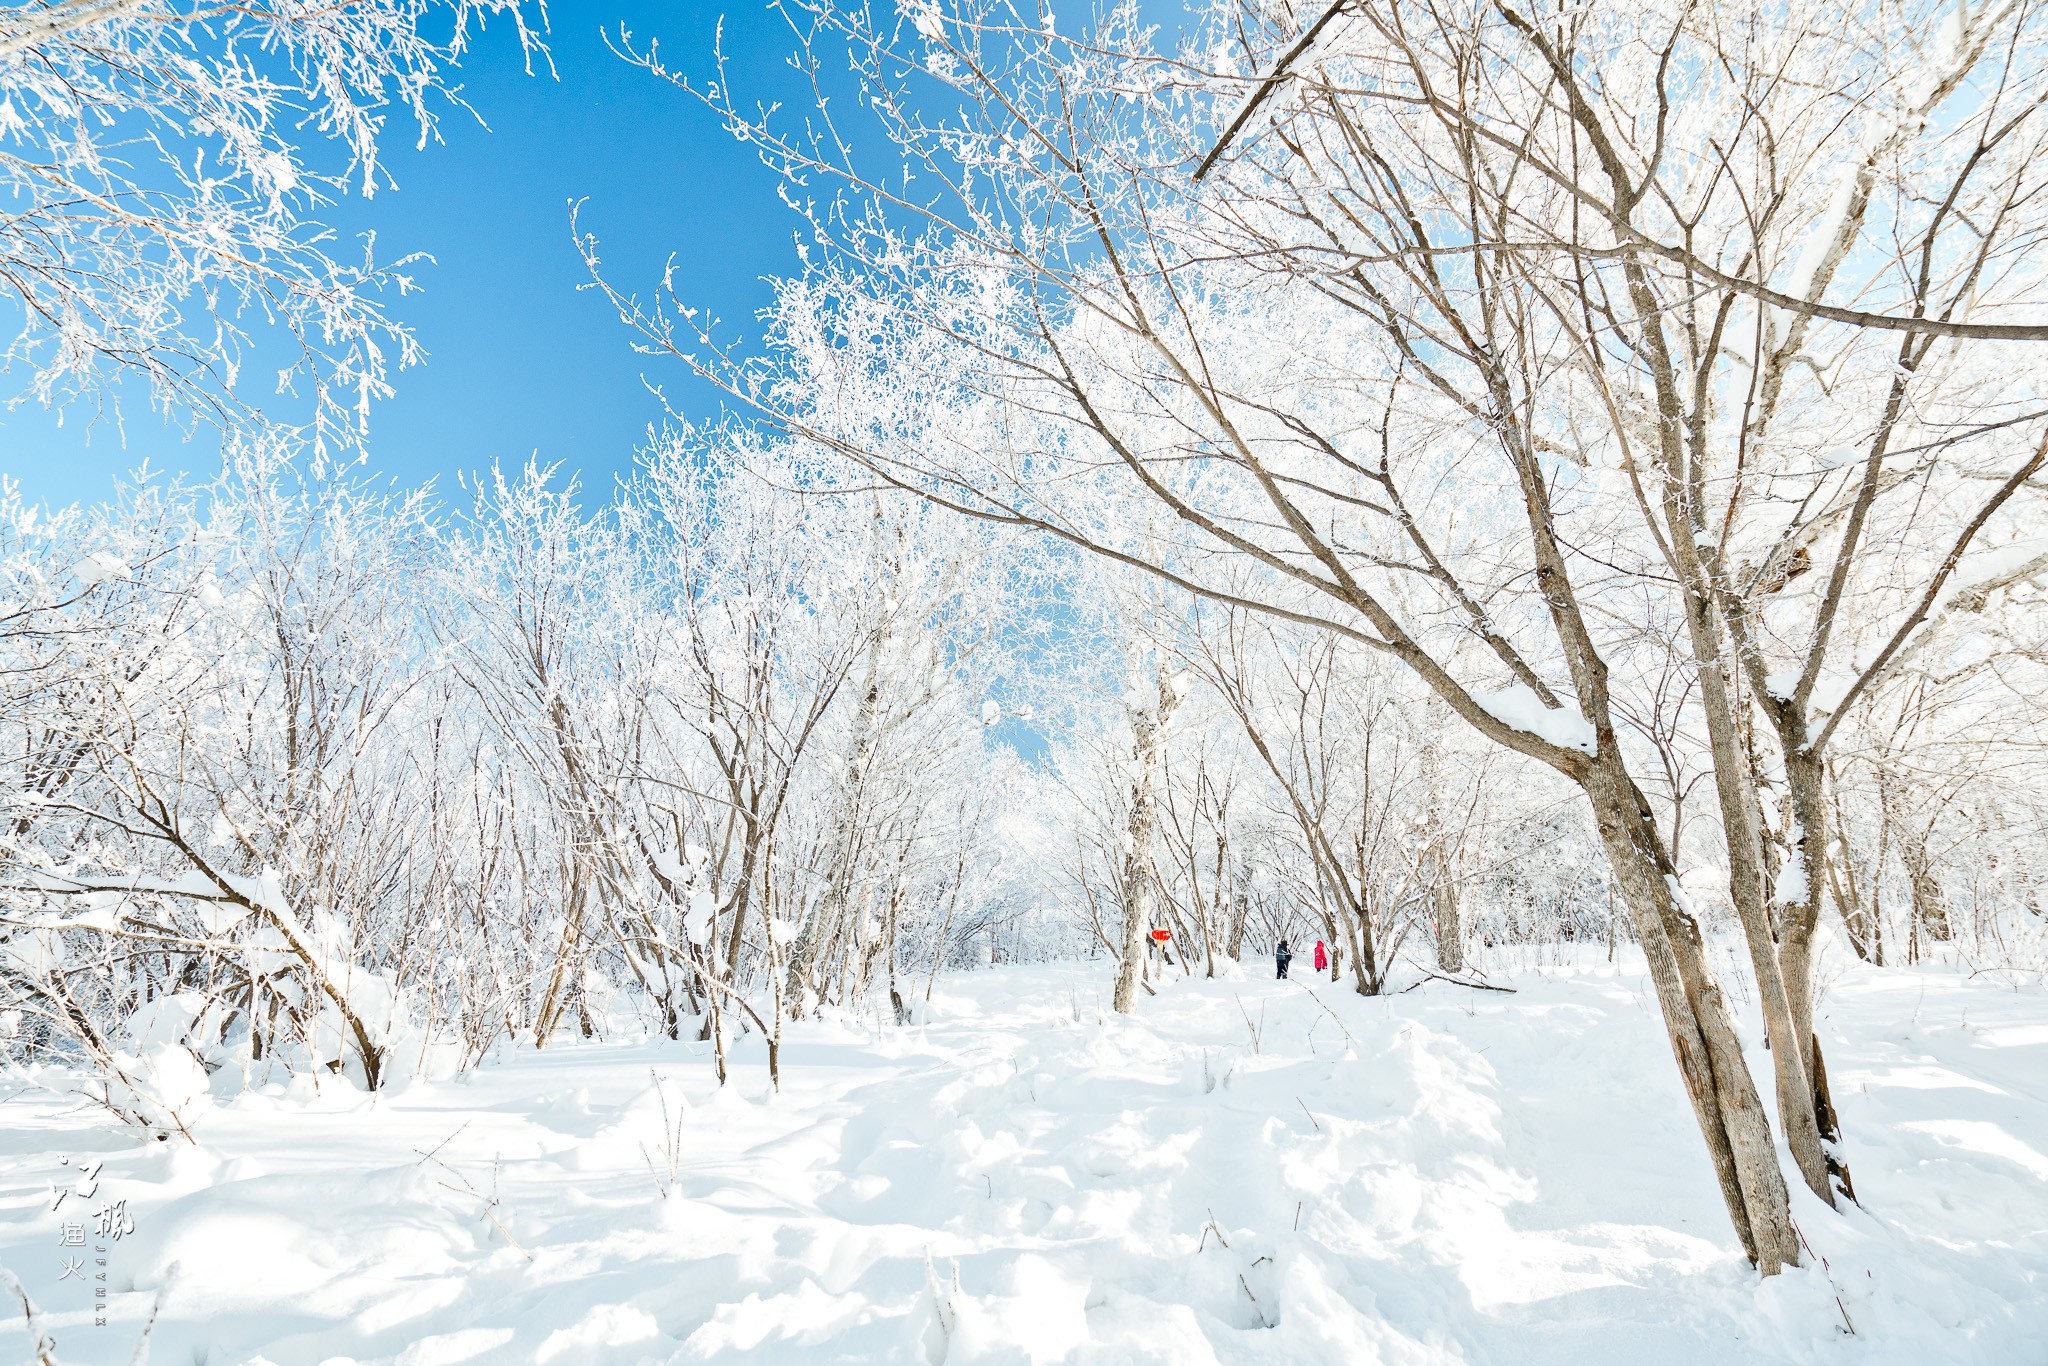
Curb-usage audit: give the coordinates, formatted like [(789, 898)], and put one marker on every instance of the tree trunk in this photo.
[(1213, 913), (554, 998), (1684, 516), (1450, 928), (1742, 835), (1799, 917), (1440, 863), (1240, 911), (1140, 887), (1930, 903), (1844, 885), (822, 926), (1698, 1023)]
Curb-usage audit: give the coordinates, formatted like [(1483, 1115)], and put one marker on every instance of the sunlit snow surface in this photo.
[(1441, 1176)]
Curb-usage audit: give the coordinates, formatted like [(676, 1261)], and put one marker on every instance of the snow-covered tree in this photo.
[(162, 187)]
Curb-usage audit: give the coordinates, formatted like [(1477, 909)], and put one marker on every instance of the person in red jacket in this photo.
[(1322, 957)]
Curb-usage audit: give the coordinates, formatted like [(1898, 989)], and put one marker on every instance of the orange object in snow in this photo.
[(1162, 935)]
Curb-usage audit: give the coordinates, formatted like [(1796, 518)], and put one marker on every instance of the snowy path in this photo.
[(1445, 1176)]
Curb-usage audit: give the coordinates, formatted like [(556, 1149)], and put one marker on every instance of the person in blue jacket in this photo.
[(1282, 956)]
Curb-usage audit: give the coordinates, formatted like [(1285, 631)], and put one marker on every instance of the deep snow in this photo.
[(1250, 1171)]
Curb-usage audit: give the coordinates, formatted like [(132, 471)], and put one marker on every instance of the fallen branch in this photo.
[(1457, 982)]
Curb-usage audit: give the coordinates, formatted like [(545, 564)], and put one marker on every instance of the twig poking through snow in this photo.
[(490, 1201), (943, 1307), (41, 1343), (163, 1288), (1256, 1029), (1828, 1272), (1254, 1299), (425, 1156), (1311, 1118), (1331, 1013), (671, 1142)]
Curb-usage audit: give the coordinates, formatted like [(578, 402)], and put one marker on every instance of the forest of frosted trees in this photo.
[(1446, 480)]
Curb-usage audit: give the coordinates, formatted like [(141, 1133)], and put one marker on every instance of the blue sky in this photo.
[(520, 362)]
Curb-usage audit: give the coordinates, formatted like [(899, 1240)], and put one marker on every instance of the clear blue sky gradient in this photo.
[(520, 362)]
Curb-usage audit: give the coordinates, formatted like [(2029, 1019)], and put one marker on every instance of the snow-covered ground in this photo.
[(1249, 1171)]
